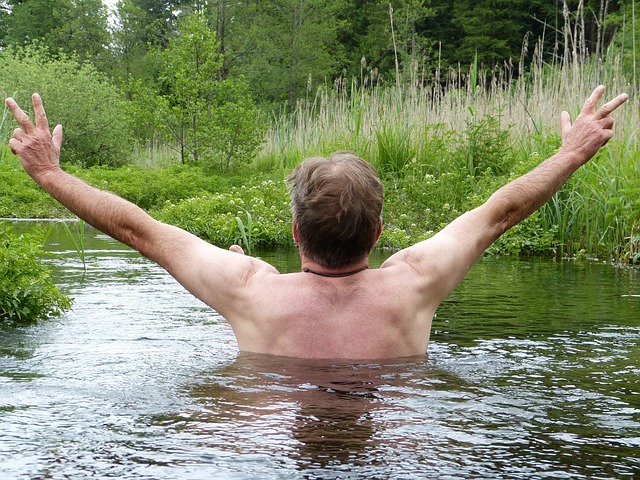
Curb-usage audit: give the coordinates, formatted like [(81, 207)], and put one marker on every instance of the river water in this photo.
[(533, 372)]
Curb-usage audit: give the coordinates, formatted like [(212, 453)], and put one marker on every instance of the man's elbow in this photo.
[(502, 215)]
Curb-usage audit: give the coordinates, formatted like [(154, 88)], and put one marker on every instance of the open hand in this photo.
[(38, 149), (592, 128)]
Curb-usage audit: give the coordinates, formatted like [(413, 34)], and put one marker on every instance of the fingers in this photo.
[(606, 109), (20, 115), (592, 101), (14, 145), (19, 134), (607, 136), (610, 106), (23, 119), (41, 117), (565, 123), (56, 139)]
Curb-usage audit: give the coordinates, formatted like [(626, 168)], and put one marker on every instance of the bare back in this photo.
[(376, 313)]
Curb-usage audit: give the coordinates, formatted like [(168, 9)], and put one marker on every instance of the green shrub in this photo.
[(262, 204), (26, 291), (212, 121), (20, 196), (151, 188), (84, 101), (485, 147)]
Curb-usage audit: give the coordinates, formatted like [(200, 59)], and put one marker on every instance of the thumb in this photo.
[(56, 139), (565, 123), (236, 249)]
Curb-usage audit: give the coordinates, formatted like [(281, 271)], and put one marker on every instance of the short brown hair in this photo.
[(336, 204)]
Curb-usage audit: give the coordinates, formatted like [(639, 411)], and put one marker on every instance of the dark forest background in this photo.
[(285, 48)]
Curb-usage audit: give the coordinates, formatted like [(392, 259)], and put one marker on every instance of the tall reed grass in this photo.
[(5, 134), (440, 126)]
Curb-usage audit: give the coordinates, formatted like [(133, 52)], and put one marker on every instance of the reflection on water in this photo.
[(533, 372), (324, 413)]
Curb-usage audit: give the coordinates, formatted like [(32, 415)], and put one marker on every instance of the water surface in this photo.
[(533, 372)]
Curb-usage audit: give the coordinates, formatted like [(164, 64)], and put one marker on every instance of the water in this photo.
[(533, 372)]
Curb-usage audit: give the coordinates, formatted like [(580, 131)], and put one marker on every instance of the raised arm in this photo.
[(445, 259), (214, 275)]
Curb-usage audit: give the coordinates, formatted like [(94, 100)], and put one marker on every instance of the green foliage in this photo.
[(419, 204), (394, 148), (597, 210), (20, 197), (527, 238), (492, 29), (486, 147), (284, 48), (246, 233), (77, 239), (149, 188), (26, 290), (131, 47), (213, 121), (237, 126), (218, 217), (77, 96), (77, 27), (156, 19), (29, 20)]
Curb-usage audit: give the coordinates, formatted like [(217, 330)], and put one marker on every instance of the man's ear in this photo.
[(378, 232), (294, 228)]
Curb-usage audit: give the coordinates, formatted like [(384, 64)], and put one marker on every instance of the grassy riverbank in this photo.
[(439, 151)]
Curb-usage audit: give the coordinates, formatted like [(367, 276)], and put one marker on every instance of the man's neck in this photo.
[(309, 266)]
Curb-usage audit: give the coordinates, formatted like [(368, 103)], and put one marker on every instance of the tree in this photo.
[(157, 19), (29, 20), (210, 119), (130, 46), (494, 29), (390, 36), (83, 29), (4, 21), (283, 47), (70, 26)]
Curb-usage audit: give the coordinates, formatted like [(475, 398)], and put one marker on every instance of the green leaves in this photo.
[(26, 290), (254, 214), (77, 96), (212, 120)]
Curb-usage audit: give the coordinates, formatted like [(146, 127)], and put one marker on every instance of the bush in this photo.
[(151, 188), (83, 100), (20, 196), (26, 291), (213, 121), (257, 213)]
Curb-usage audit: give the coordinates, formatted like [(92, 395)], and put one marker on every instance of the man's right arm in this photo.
[(214, 275), (39, 153), (445, 259)]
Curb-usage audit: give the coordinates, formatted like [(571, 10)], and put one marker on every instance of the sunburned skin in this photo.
[(351, 312)]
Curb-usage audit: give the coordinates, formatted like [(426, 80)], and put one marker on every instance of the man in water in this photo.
[(336, 307)]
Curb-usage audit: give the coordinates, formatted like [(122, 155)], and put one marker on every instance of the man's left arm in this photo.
[(445, 259)]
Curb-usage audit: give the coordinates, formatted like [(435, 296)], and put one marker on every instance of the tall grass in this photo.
[(77, 239), (350, 115), (439, 125), (5, 134)]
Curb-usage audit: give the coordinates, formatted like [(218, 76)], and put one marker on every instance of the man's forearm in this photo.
[(109, 213), (520, 198)]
